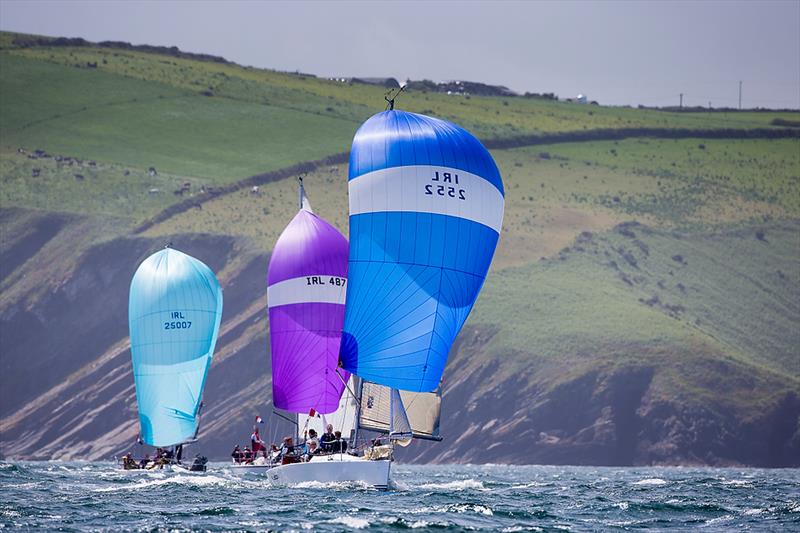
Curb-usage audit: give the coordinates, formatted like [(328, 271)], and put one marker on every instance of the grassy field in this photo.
[(714, 313), (553, 193), (138, 110), (639, 285), (206, 123), (489, 117), (107, 117)]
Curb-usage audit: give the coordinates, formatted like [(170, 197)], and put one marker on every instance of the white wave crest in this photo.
[(737, 483), (350, 521), (461, 484), (162, 479), (531, 485), (651, 481), (455, 508), (335, 485)]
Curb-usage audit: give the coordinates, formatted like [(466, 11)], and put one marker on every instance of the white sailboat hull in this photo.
[(336, 468)]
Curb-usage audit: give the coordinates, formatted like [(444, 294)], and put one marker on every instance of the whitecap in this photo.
[(335, 485), (650, 481), (461, 484), (723, 518), (531, 485), (737, 483), (351, 522), (468, 507), (398, 485), (189, 480)]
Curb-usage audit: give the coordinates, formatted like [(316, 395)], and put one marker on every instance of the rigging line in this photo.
[(274, 428), (356, 400), (346, 385), (293, 422)]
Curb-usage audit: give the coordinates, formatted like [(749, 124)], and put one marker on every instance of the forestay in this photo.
[(426, 210), (174, 312), (421, 408), (306, 295)]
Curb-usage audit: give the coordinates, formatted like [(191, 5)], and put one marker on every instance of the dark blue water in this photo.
[(95, 496)]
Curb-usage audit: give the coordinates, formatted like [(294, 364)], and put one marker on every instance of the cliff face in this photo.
[(612, 415), (66, 388)]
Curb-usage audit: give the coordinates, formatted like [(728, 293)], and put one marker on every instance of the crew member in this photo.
[(327, 438)]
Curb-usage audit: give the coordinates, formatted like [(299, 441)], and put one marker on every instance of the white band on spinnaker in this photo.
[(428, 189), (319, 288)]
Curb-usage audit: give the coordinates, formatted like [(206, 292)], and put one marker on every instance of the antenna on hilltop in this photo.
[(390, 101)]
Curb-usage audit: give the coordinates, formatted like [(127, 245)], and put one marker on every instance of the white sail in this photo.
[(422, 409), (399, 426), (343, 419)]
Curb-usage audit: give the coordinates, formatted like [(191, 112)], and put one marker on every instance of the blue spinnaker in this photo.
[(426, 209), (174, 312)]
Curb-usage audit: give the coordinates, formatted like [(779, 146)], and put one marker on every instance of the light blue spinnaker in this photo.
[(174, 312), (426, 210)]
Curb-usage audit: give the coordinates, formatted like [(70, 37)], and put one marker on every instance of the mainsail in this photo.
[(306, 293), (426, 209), (422, 410), (174, 312)]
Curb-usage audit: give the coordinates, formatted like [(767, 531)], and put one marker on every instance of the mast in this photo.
[(358, 412), (300, 192), (391, 413)]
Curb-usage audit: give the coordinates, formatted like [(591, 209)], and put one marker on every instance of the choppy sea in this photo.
[(81, 496)]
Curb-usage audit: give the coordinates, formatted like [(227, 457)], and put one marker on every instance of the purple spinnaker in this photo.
[(306, 294)]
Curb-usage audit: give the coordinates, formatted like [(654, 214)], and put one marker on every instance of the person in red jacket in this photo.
[(256, 444)]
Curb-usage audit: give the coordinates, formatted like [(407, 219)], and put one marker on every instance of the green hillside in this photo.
[(620, 252)]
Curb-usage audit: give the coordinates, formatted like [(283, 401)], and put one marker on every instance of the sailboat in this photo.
[(306, 289), (426, 209), (174, 313)]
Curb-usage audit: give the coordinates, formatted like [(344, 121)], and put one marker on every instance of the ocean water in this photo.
[(80, 496)]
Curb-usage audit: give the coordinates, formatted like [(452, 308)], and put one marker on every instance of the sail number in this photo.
[(177, 324), (445, 190), (326, 280)]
